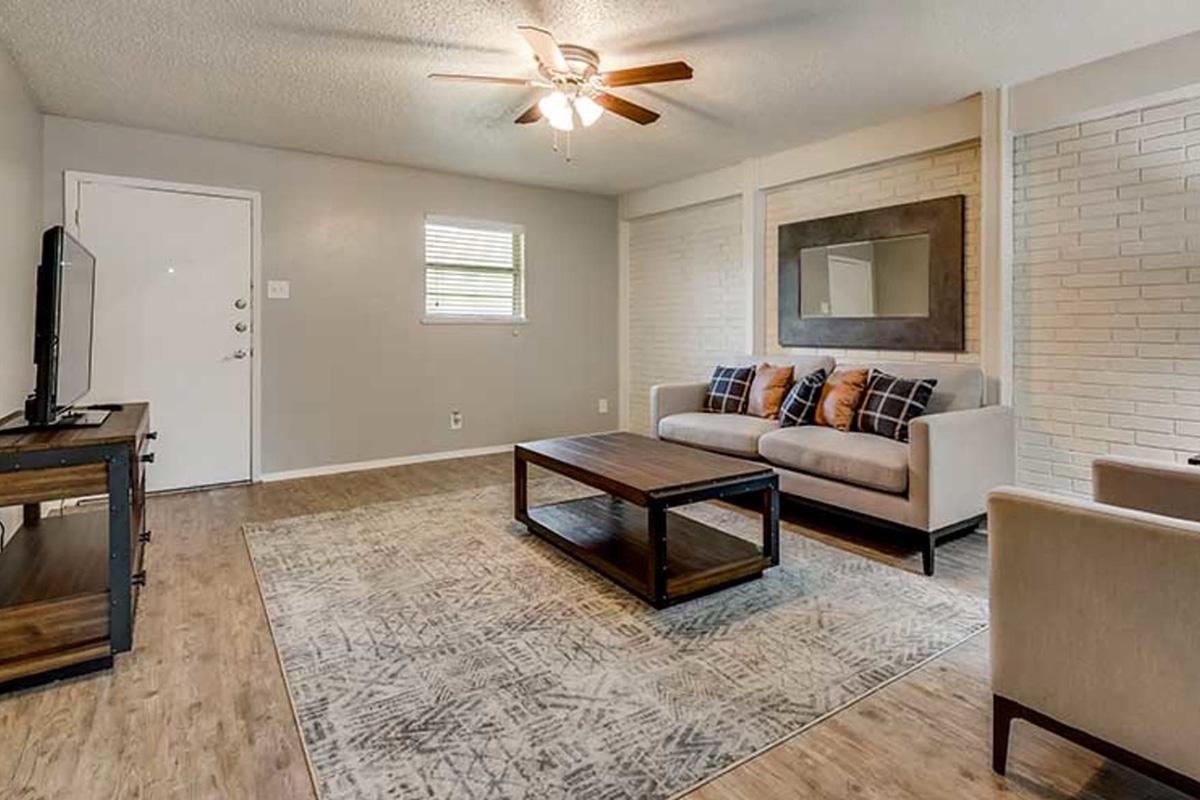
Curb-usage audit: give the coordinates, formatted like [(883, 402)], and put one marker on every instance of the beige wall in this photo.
[(20, 236), (349, 373), (1106, 293), (925, 176), (687, 298), (20, 231)]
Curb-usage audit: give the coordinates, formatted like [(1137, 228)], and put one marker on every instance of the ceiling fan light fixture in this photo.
[(556, 108), (563, 121), (589, 110)]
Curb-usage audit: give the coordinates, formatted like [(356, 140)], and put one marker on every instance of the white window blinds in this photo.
[(474, 270)]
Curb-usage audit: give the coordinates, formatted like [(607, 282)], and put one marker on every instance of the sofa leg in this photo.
[(1003, 713), (927, 555)]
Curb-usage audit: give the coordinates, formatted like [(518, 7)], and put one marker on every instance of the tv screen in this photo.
[(66, 286)]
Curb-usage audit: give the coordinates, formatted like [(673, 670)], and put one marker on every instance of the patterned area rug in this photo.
[(434, 649)]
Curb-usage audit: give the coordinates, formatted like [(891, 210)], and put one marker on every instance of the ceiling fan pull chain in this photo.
[(568, 147)]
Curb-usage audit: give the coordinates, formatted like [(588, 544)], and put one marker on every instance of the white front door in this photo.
[(172, 322)]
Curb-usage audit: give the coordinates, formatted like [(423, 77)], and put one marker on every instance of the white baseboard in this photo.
[(399, 461), (380, 463)]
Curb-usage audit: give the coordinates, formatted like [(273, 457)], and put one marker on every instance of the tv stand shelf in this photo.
[(69, 581), (67, 556)]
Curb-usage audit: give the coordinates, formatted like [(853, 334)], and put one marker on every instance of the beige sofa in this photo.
[(1095, 612), (932, 488)]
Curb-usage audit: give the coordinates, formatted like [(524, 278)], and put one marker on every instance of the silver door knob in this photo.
[(239, 303), (240, 327), (239, 354)]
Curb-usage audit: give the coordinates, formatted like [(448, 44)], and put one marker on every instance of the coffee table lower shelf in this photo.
[(613, 537)]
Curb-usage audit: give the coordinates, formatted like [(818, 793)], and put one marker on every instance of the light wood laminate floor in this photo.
[(199, 709)]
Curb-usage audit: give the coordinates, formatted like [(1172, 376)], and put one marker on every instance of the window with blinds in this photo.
[(474, 270)]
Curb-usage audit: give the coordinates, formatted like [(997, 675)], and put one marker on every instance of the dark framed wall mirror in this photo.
[(885, 279)]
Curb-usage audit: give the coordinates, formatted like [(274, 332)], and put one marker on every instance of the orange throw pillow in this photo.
[(840, 398), (767, 392)]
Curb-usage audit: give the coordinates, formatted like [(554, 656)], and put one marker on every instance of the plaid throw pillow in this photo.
[(890, 403), (800, 405), (729, 390)]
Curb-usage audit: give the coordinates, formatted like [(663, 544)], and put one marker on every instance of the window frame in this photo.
[(475, 319)]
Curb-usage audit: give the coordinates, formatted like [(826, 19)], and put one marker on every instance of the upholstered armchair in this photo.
[(1095, 611)]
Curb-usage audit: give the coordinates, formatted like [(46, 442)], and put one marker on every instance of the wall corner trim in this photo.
[(995, 267), (623, 324)]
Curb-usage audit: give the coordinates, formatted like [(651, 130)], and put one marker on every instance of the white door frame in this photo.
[(72, 180)]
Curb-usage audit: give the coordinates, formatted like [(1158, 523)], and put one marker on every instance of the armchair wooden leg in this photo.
[(1003, 713), (927, 554)]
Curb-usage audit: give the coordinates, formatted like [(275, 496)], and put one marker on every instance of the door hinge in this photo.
[(76, 218)]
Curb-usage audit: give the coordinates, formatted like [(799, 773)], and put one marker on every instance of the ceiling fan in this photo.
[(577, 87)]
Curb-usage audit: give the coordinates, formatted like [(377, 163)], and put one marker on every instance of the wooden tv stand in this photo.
[(69, 582)]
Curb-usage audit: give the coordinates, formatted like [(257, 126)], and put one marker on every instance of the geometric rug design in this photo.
[(432, 648)]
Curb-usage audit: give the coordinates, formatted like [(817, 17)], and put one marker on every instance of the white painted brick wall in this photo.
[(687, 298), (1106, 293), (925, 176)]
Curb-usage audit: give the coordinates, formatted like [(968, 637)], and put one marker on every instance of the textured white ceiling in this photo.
[(347, 77)]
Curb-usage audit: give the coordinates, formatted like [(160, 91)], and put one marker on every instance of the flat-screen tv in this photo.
[(62, 342)]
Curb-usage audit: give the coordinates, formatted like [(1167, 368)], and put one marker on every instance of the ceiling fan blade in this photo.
[(542, 43), (626, 109), (531, 114), (459, 78), (653, 73)]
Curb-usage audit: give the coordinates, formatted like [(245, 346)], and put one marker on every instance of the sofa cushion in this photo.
[(729, 390), (800, 405), (734, 434), (859, 458), (890, 403), (840, 398), (767, 390)]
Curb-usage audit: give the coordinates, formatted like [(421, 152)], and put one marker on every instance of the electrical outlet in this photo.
[(456, 420), (602, 406)]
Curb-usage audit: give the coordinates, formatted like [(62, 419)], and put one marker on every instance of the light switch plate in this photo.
[(279, 290)]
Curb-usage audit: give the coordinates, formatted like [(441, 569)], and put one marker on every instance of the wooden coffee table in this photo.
[(628, 534)]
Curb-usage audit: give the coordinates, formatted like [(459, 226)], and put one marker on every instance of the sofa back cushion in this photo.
[(959, 386), (801, 364)]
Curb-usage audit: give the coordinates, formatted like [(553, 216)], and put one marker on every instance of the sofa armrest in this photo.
[(955, 458), (1154, 486), (1093, 619), (674, 398)]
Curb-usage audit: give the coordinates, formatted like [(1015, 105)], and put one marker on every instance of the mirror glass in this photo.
[(877, 278)]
